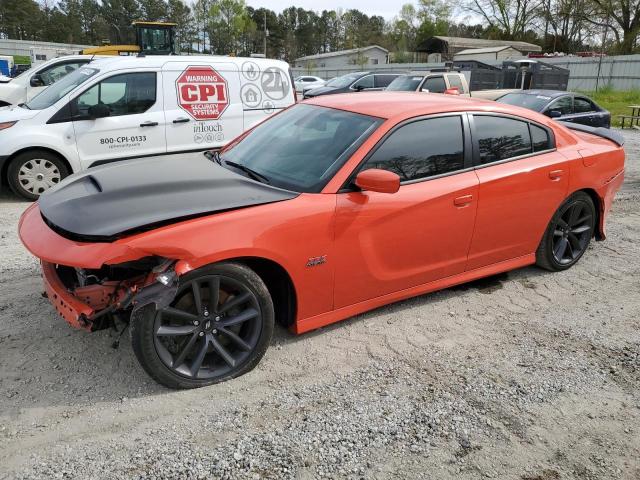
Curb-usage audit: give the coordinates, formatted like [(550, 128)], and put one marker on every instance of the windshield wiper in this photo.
[(252, 173)]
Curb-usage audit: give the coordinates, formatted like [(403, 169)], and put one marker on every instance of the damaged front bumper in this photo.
[(85, 307), (66, 265)]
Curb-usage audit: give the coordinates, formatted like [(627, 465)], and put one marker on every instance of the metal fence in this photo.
[(621, 72)]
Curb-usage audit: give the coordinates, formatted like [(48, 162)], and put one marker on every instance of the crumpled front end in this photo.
[(89, 282)]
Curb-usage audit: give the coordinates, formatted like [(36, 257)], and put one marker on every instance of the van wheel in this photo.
[(32, 173)]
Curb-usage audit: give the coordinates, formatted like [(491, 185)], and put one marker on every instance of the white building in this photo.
[(38, 51), (362, 57)]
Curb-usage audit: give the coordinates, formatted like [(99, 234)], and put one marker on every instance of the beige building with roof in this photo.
[(448, 47)]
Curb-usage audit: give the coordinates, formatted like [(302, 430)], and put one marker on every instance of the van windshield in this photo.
[(55, 92), (301, 148)]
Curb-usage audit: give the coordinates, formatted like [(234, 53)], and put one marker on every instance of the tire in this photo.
[(569, 233), (170, 342), (33, 172)]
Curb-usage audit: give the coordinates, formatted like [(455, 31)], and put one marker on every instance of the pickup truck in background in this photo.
[(453, 83)]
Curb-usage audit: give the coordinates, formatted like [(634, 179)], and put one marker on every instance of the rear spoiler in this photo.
[(612, 135)]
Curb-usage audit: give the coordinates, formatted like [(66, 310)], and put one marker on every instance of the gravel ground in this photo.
[(527, 375)]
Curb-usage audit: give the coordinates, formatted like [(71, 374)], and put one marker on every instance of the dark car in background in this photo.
[(565, 106), (353, 82)]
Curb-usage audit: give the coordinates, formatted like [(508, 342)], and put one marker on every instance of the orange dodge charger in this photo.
[(334, 206)]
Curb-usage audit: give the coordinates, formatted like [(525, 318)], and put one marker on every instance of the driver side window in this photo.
[(364, 82), (54, 73), (126, 94), (563, 104)]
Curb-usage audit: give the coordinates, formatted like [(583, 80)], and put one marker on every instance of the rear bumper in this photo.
[(69, 307), (611, 187)]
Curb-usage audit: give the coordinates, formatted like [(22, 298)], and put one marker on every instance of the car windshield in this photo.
[(301, 148), (526, 100), (59, 89), (344, 81), (405, 83)]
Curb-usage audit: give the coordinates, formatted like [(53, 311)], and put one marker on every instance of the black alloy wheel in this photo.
[(217, 327), (568, 234)]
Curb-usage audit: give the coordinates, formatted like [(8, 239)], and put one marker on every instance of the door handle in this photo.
[(556, 174), (181, 120), (149, 124), (463, 201)]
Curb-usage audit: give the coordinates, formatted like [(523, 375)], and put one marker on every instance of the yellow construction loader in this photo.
[(152, 38)]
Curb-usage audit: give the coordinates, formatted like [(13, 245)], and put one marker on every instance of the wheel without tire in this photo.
[(32, 173), (217, 327), (568, 234)]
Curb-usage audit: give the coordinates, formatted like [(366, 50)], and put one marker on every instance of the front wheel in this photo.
[(568, 234), (32, 173), (217, 327)]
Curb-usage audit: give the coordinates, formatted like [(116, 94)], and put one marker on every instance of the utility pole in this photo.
[(266, 32)]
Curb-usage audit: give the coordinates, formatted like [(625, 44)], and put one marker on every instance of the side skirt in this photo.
[(333, 316)]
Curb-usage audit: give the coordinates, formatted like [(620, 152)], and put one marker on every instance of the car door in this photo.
[(586, 113), (135, 125), (390, 242), (523, 180)]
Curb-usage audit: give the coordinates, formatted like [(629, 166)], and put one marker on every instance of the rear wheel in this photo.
[(568, 234), (32, 173), (218, 327)]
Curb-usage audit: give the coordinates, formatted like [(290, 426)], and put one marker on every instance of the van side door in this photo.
[(202, 104), (119, 117)]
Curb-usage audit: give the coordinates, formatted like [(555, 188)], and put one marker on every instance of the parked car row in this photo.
[(102, 109)]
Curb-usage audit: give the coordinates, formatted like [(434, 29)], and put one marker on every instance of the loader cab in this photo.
[(155, 38)]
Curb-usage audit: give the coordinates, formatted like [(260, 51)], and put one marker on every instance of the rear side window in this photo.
[(582, 105), (126, 94), (540, 138), (382, 81), (422, 149), (501, 138), (456, 82), (434, 85)]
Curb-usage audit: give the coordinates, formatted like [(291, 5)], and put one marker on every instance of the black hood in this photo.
[(315, 92), (111, 201)]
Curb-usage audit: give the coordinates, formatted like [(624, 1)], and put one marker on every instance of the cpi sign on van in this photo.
[(202, 92)]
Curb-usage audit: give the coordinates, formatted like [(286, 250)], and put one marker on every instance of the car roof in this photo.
[(408, 104), (546, 93)]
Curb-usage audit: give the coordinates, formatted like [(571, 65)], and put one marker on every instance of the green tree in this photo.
[(229, 20)]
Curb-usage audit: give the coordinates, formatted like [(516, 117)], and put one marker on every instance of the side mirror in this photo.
[(554, 113), (37, 81), (98, 111), (376, 180), (452, 91), (359, 88)]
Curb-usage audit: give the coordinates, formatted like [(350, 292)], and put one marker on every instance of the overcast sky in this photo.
[(385, 8)]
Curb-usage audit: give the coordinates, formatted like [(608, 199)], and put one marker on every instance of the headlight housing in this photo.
[(5, 125)]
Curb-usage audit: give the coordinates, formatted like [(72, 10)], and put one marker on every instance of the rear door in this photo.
[(382, 80), (135, 126), (202, 104), (523, 180)]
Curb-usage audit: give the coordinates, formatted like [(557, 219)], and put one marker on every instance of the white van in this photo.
[(14, 91), (119, 108)]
